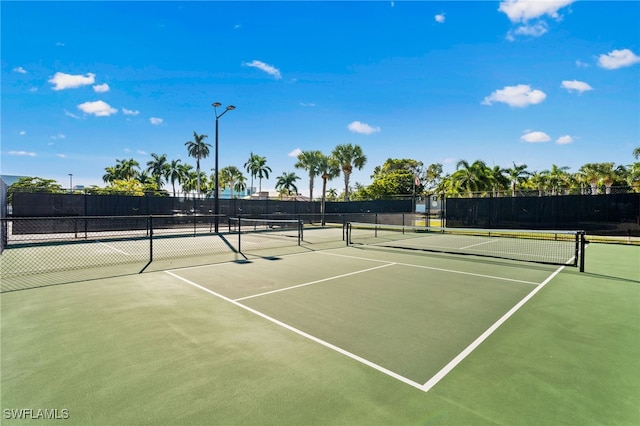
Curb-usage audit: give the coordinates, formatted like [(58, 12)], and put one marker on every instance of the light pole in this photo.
[(216, 197), (70, 182)]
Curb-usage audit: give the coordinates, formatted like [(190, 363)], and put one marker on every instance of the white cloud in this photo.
[(22, 153), (97, 108), (535, 137), (564, 140), (535, 30), (61, 156), (130, 112), (141, 152), (156, 121), (581, 64), (295, 153), (307, 104), (69, 114), (269, 69), (58, 136), (362, 128), (440, 18), (63, 81), (22, 132), (579, 86), (618, 59), (20, 70), (525, 10), (101, 88), (516, 96)]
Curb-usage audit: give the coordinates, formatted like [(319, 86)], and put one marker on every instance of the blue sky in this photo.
[(539, 83)]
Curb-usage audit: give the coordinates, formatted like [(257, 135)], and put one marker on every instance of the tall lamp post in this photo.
[(216, 197), (70, 182)]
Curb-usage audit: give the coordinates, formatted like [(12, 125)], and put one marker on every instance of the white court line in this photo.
[(462, 355), (451, 271), (314, 282), (113, 248), (434, 379), (477, 244), (305, 335)]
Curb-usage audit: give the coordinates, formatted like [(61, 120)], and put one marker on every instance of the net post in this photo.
[(375, 232), (239, 232), (582, 246), (150, 225), (347, 228), (299, 230)]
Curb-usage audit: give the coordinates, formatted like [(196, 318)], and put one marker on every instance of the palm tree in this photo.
[(332, 193), (470, 178), (592, 174), (309, 161), (228, 178), (328, 168), (497, 179), (251, 168), (557, 178), (261, 170), (111, 174), (194, 180), (537, 181), (241, 183), (158, 167), (175, 172), (145, 179), (636, 152), (349, 156), (608, 175), (517, 174), (127, 169), (633, 176), (198, 149), (286, 183)]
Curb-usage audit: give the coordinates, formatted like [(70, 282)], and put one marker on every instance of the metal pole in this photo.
[(216, 208), (216, 201)]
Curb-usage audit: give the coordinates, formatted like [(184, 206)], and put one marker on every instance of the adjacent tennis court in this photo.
[(315, 333)]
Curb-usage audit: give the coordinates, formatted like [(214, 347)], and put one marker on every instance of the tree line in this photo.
[(160, 171), (396, 177)]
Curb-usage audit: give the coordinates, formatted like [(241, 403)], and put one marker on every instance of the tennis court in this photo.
[(320, 333)]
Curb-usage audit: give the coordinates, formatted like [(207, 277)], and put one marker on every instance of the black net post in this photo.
[(582, 245), (239, 232), (150, 225)]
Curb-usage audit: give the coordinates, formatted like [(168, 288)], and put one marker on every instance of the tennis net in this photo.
[(549, 247), (257, 234)]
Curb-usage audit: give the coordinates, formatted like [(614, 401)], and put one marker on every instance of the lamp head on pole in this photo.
[(231, 107)]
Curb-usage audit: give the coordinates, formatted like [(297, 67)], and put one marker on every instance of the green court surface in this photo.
[(320, 335)]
